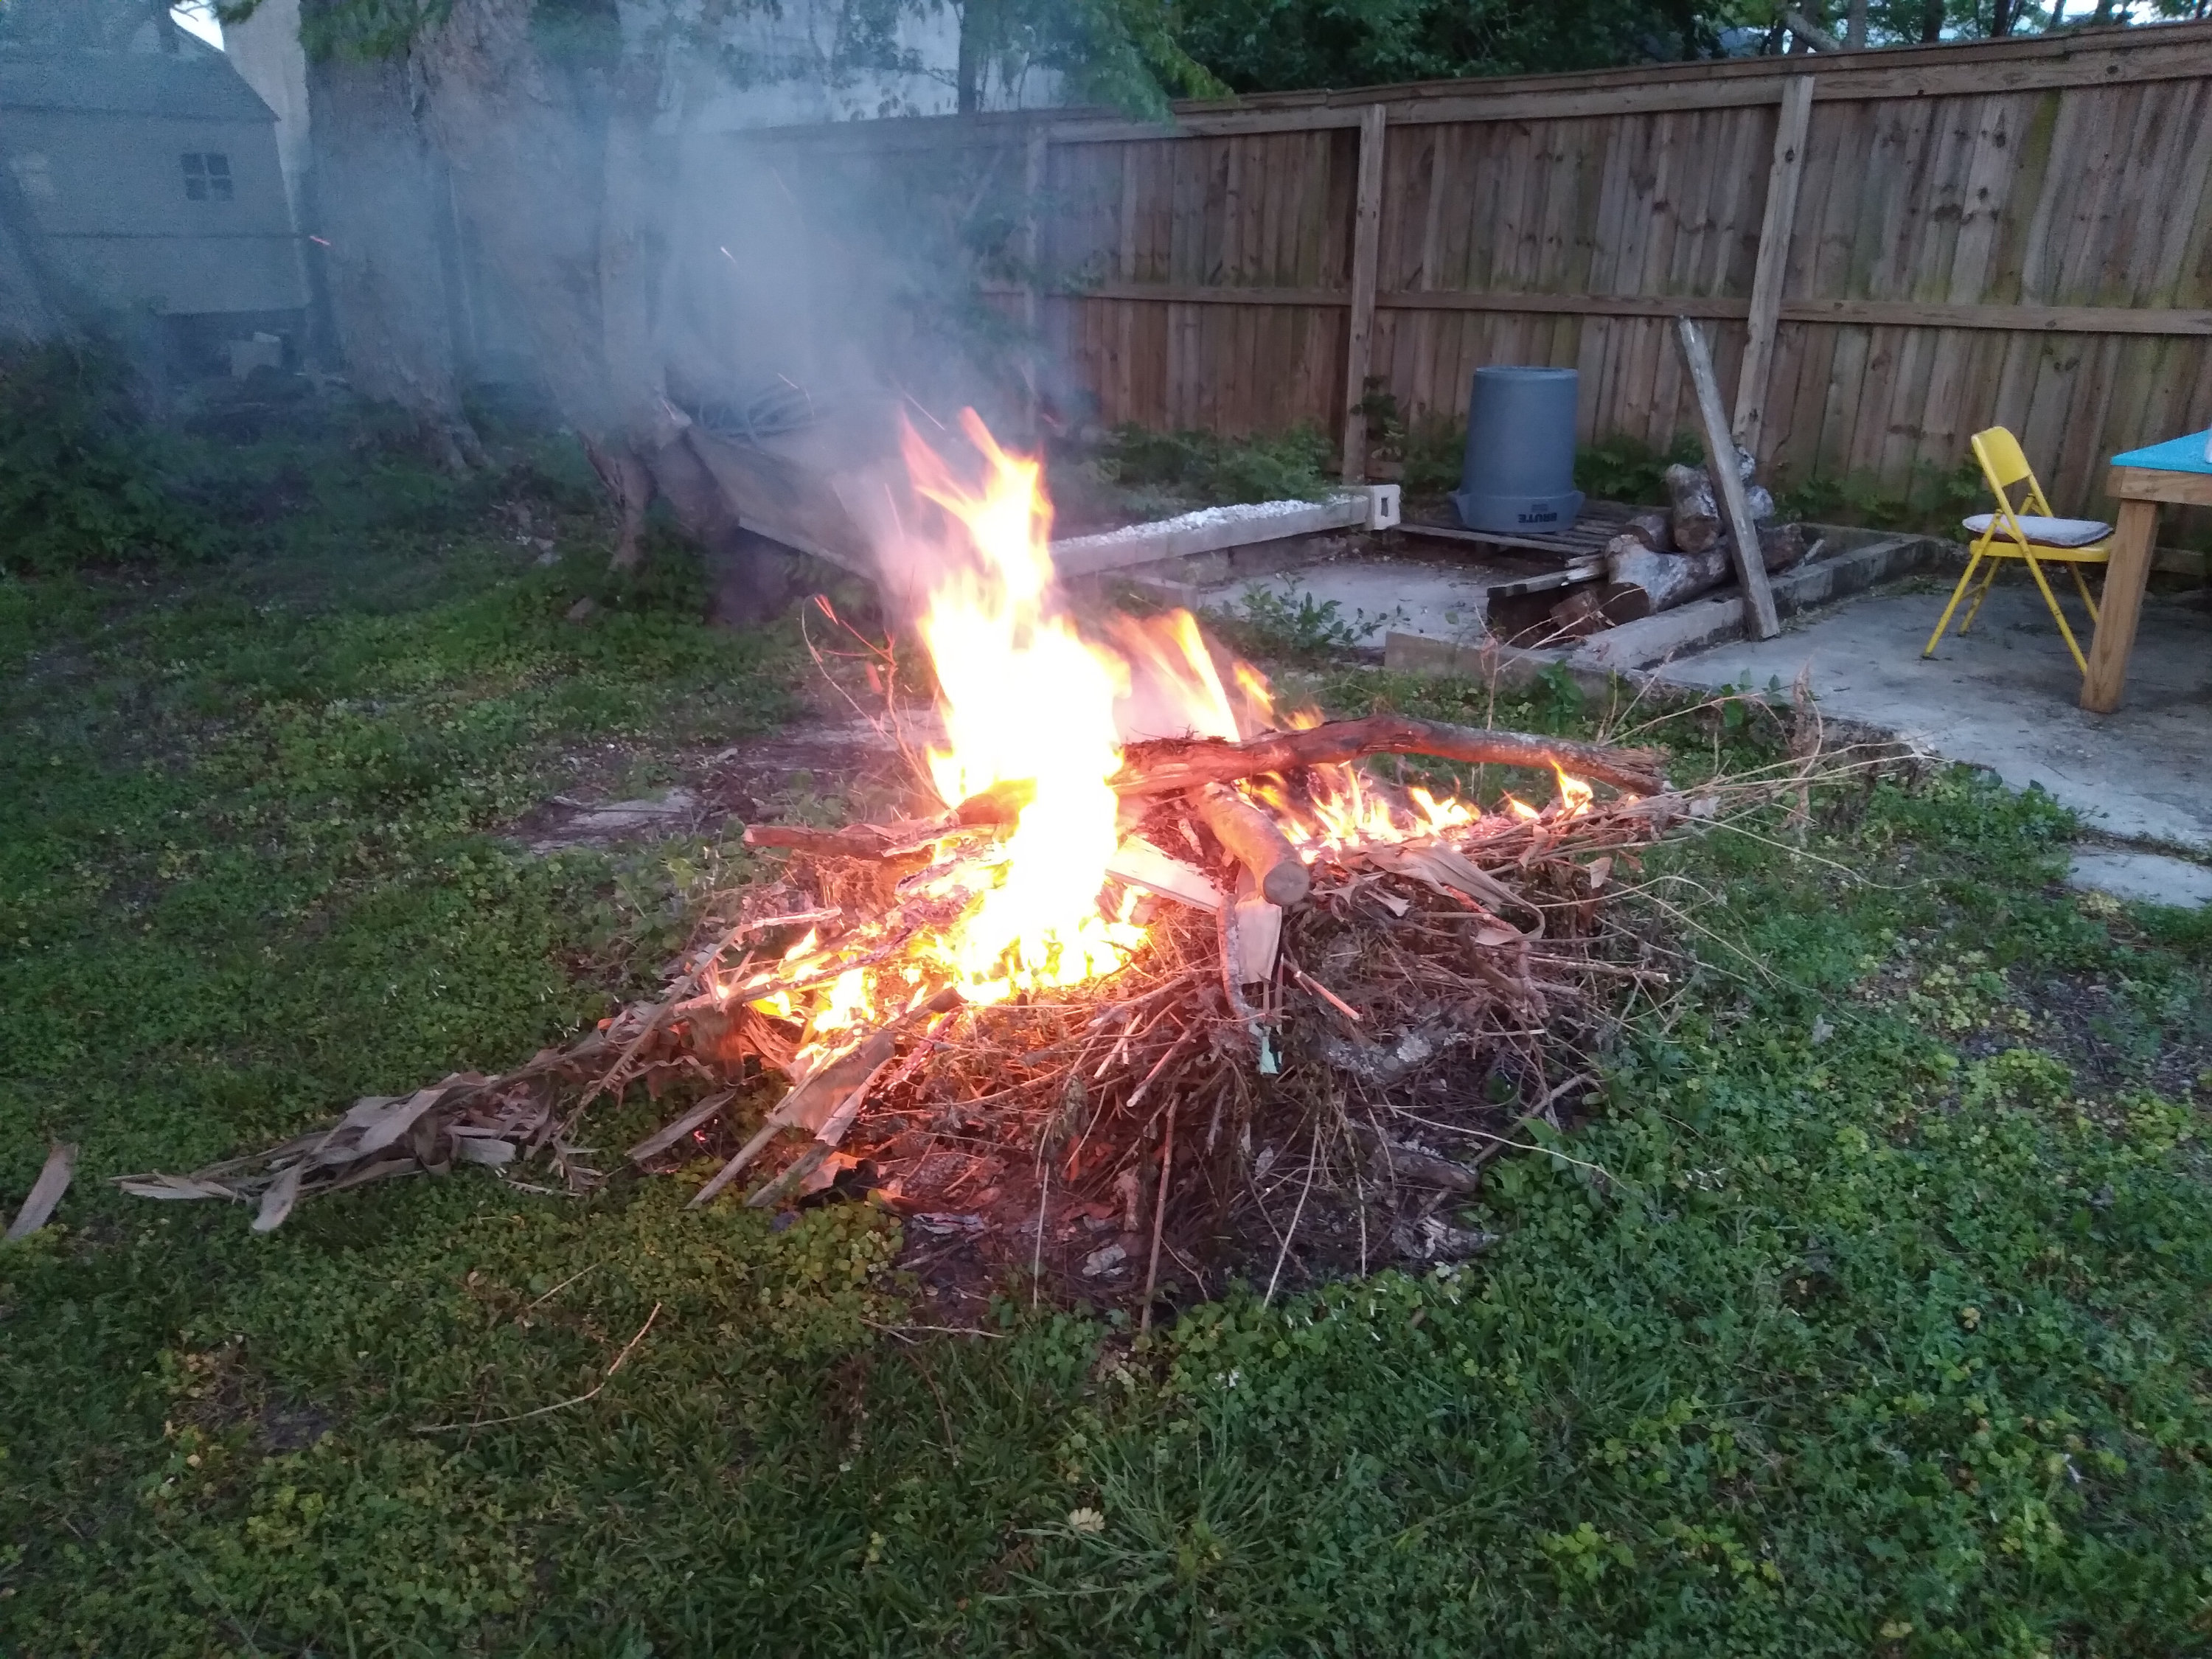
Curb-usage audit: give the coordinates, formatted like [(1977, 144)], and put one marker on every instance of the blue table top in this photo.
[(2174, 455)]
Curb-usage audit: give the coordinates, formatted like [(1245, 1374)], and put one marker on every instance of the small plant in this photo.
[(78, 484), (1289, 624), (1621, 469), (1428, 447), (1221, 471), (1933, 501)]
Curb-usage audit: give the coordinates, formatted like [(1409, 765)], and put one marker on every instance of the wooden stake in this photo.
[(1366, 256), (1774, 233), (1728, 484), (1159, 1216)]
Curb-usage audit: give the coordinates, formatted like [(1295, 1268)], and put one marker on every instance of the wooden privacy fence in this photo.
[(1890, 249)]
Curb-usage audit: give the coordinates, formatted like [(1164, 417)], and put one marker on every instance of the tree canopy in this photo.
[(1280, 45), (1269, 46)]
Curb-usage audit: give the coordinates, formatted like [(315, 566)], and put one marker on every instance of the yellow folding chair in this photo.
[(2035, 537)]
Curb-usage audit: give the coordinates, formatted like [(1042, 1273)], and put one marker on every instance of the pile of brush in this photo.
[(1395, 1010)]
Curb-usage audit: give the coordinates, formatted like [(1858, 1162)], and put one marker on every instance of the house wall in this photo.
[(106, 189), (264, 49)]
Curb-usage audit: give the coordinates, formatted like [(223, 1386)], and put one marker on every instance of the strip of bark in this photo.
[(1159, 767)]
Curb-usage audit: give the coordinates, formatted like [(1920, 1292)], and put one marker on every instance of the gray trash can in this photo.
[(1519, 473)]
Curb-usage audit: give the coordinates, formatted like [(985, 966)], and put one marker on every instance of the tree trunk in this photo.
[(969, 73), (525, 155), (378, 195), (1931, 21), (560, 175)]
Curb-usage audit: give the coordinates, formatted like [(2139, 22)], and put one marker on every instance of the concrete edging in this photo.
[(1209, 530)]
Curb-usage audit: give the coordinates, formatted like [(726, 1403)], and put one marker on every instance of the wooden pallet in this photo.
[(1579, 542)]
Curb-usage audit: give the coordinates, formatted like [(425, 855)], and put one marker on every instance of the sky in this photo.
[(198, 16)]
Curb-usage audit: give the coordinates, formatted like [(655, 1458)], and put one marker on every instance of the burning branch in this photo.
[(1167, 765)]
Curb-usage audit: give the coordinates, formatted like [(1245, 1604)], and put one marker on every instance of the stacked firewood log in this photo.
[(1665, 557)]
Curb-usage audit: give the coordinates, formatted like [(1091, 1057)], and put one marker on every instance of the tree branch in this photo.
[(1157, 769)]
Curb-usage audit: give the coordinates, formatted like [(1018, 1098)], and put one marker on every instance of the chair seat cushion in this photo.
[(2049, 532)]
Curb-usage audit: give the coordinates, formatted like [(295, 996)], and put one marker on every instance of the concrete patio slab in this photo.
[(1375, 595), (2004, 697), (2144, 877), (2001, 697)]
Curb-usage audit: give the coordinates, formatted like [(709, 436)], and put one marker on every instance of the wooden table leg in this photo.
[(2124, 578)]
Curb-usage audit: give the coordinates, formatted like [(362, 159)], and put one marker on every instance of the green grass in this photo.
[(1868, 1312)]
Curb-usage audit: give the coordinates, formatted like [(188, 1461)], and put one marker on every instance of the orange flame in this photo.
[(1024, 699)]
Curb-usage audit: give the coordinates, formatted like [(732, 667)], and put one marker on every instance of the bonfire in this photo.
[(1159, 960)]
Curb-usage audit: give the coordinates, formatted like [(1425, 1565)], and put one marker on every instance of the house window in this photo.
[(207, 175)]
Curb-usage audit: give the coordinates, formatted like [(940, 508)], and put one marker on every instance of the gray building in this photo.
[(142, 172)]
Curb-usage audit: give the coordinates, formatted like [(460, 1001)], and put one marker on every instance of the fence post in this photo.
[(1366, 253), (1774, 233)]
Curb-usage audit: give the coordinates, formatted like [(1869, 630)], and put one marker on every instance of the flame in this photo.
[(1174, 687), (1024, 699), (1575, 795), (1344, 807)]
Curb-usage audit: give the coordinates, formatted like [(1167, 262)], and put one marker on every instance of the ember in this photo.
[(1153, 935)]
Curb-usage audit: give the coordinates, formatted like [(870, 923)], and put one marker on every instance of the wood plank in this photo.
[(2140, 484), (1991, 170), (1728, 486), (2110, 385), (1559, 156), (1895, 314), (1651, 383), (1904, 425), (1419, 269), (1778, 224), (1602, 353), (1741, 206), (1640, 156), (1366, 246), (2012, 319), (1034, 160), (2125, 578), (2093, 165), (2188, 222)]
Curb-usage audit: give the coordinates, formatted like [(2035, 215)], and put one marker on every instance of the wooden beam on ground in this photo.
[(1775, 228), (1728, 484), (1366, 255), (1210, 529)]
